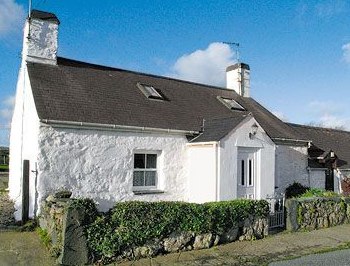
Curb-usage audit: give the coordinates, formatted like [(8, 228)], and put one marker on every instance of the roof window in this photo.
[(150, 92), (231, 103)]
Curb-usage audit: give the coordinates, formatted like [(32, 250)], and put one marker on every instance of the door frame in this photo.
[(256, 169)]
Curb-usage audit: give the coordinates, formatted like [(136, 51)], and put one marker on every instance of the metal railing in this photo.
[(277, 210)]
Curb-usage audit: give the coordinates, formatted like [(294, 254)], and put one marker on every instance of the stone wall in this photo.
[(63, 225), (250, 229), (316, 213)]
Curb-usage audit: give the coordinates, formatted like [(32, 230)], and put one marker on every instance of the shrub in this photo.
[(88, 206), (134, 223), (317, 192), (294, 190)]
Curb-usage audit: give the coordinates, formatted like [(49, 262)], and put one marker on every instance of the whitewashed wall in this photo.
[(317, 178), (202, 181), (99, 164), (291, 166), (228, 161), (23, 143)]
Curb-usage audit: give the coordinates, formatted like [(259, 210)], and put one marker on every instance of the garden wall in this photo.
[(315, 213), (133, 230)]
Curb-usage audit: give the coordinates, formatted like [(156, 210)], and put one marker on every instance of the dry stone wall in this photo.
[(316, 213)]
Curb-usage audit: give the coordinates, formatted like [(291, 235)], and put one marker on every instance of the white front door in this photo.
[(246, 173)]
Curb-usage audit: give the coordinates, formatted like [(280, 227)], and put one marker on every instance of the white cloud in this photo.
[(346, 52), (7, 109), (320, 108), (205, 66), (11, 16), (330, 8), (329, 114), (333, 121)]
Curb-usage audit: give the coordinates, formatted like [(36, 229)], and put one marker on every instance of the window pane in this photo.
[(150, 178), (151, 160), (152, 91), (139, 160), (242, 173), (250, 182), (139, 177)]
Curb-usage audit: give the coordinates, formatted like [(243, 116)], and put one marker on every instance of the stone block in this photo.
[(74, 251), (177, 241), (230, 235), (292, 215), (203, 241)]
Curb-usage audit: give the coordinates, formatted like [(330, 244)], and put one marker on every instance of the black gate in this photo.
[(277, 210)]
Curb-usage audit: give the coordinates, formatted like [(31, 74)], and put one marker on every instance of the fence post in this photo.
[(25, 191)]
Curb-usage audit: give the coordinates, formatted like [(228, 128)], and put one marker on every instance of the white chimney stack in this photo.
[(238, 79), (40, 38)]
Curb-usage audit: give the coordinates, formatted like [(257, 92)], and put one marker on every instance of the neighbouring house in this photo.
[(4, 155), (329, 156), (116, 135)]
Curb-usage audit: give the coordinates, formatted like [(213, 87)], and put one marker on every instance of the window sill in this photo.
[(149, 191)]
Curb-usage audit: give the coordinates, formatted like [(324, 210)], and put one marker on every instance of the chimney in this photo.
[(238, 79), (40, 38)]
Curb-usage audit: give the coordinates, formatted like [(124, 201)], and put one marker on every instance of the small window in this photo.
[(231, 103), (145, 171), (250, 180), (242, 173), (150, 92)]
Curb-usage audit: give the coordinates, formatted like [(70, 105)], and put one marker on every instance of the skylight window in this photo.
[(231, 103), (150, 92)]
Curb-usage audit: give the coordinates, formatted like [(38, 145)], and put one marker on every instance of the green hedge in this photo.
[(316, 192), (134, 223)]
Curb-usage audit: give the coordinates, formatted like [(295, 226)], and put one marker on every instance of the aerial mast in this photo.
[(235, 46)]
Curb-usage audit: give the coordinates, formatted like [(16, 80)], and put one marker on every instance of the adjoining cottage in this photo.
[(115, 135)]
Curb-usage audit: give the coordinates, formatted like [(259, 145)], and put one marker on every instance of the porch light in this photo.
[(253, 130)]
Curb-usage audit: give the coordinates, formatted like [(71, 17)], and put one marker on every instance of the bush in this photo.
[(134, 223), (316, 192), (295, 190)]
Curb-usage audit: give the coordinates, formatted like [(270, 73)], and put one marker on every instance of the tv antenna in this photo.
[(235, 46), (30, 7)]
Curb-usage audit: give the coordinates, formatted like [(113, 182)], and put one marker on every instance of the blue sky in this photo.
[(298, 51)]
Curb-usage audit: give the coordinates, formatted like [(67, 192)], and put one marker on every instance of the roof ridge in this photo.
[(93, 65), (318, 127)]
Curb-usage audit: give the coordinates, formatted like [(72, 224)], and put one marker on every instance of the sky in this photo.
[(298, 51)]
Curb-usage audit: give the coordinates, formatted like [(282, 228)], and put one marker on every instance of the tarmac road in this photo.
[(336, 258)]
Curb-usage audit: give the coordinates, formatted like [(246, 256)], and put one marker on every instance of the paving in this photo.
[(339, 258), (23, 248), (281, 246)]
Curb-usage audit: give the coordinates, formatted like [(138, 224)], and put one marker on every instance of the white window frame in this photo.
[(150, 92), (156, 170), (231, 103), (247, 172)]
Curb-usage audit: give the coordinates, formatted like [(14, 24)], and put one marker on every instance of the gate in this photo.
[(277, 210)]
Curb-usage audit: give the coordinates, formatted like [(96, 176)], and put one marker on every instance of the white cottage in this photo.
[(116, 135)]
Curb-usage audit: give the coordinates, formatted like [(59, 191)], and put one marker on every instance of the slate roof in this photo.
[(324, 140), (216, 129), (83, 92)]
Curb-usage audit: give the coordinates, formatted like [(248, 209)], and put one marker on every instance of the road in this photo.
[(338, 258)]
